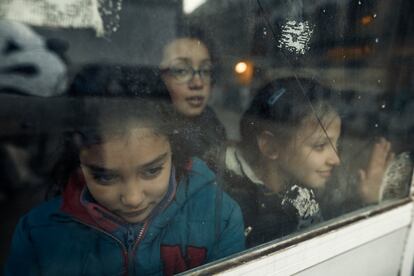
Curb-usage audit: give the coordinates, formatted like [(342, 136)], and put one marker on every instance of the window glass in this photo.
[(163, 135)]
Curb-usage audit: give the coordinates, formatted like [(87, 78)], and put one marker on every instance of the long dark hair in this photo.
[(280, 107), (97, 109)]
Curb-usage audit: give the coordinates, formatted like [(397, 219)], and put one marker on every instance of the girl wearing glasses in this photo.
[(187, 69)]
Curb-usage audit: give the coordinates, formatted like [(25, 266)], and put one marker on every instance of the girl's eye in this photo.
[(104, 178), (152, 172), (179, 72), (319, 147), (206, 72), (322, 146)]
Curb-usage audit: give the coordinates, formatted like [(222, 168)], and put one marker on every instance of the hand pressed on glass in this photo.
[(370, 179)]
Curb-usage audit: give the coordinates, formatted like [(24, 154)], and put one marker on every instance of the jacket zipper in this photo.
[(146, 224), (123, 248), (128, 253), (133, 245), (133, 249)]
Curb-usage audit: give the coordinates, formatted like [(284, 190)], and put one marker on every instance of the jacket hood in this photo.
[(71, 203), (198, 176), (236, 163)]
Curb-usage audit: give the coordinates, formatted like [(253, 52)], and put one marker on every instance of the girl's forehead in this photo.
[(128, 132), (125, 124), (317, 120), (185, 48), (127, 152), (314, 126), (137, 137)]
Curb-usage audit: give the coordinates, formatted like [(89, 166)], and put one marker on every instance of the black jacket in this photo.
[(205, 136), (267, 215)]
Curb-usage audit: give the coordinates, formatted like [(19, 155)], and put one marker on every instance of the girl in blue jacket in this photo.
[(132, 203)]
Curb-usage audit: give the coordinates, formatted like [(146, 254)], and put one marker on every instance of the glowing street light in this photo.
[(240, 67), (244, 72)]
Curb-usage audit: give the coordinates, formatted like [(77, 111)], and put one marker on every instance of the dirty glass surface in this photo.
[(298, 110)]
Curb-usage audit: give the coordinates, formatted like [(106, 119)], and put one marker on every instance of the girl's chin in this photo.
[(316, 185), (193, 112), (134, 220)]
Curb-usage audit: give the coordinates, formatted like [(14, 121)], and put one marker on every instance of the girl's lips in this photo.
[(134, 213), (195, 101), (325, 174)]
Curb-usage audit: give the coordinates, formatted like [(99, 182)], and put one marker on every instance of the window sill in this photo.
[(296, 253)]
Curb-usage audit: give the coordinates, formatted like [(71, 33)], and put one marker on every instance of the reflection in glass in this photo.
[(358, 52), (187, 69), (131, 196)]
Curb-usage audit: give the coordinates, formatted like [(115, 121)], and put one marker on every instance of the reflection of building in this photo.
[(344, 31), (363, 46), (356, 46), (355, 29), (144, 26)]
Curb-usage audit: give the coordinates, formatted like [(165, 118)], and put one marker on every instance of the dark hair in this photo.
[(98, 113), (196, 32), (118, 81), (191, 31), (280, 107)]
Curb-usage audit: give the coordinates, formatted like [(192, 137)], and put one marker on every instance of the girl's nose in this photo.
[(132, 195), (333, 158), (196, 82)]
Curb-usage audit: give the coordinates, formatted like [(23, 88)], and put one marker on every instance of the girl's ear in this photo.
[(267, 146)]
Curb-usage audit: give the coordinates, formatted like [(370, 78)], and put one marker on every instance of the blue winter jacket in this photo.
[(200, 224)]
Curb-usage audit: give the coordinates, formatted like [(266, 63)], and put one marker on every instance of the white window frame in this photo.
[(296, 253)]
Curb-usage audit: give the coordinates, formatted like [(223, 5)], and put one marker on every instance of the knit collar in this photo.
[(293, 198)]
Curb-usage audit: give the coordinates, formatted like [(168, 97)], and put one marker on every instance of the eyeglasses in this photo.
[(186, 73)]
